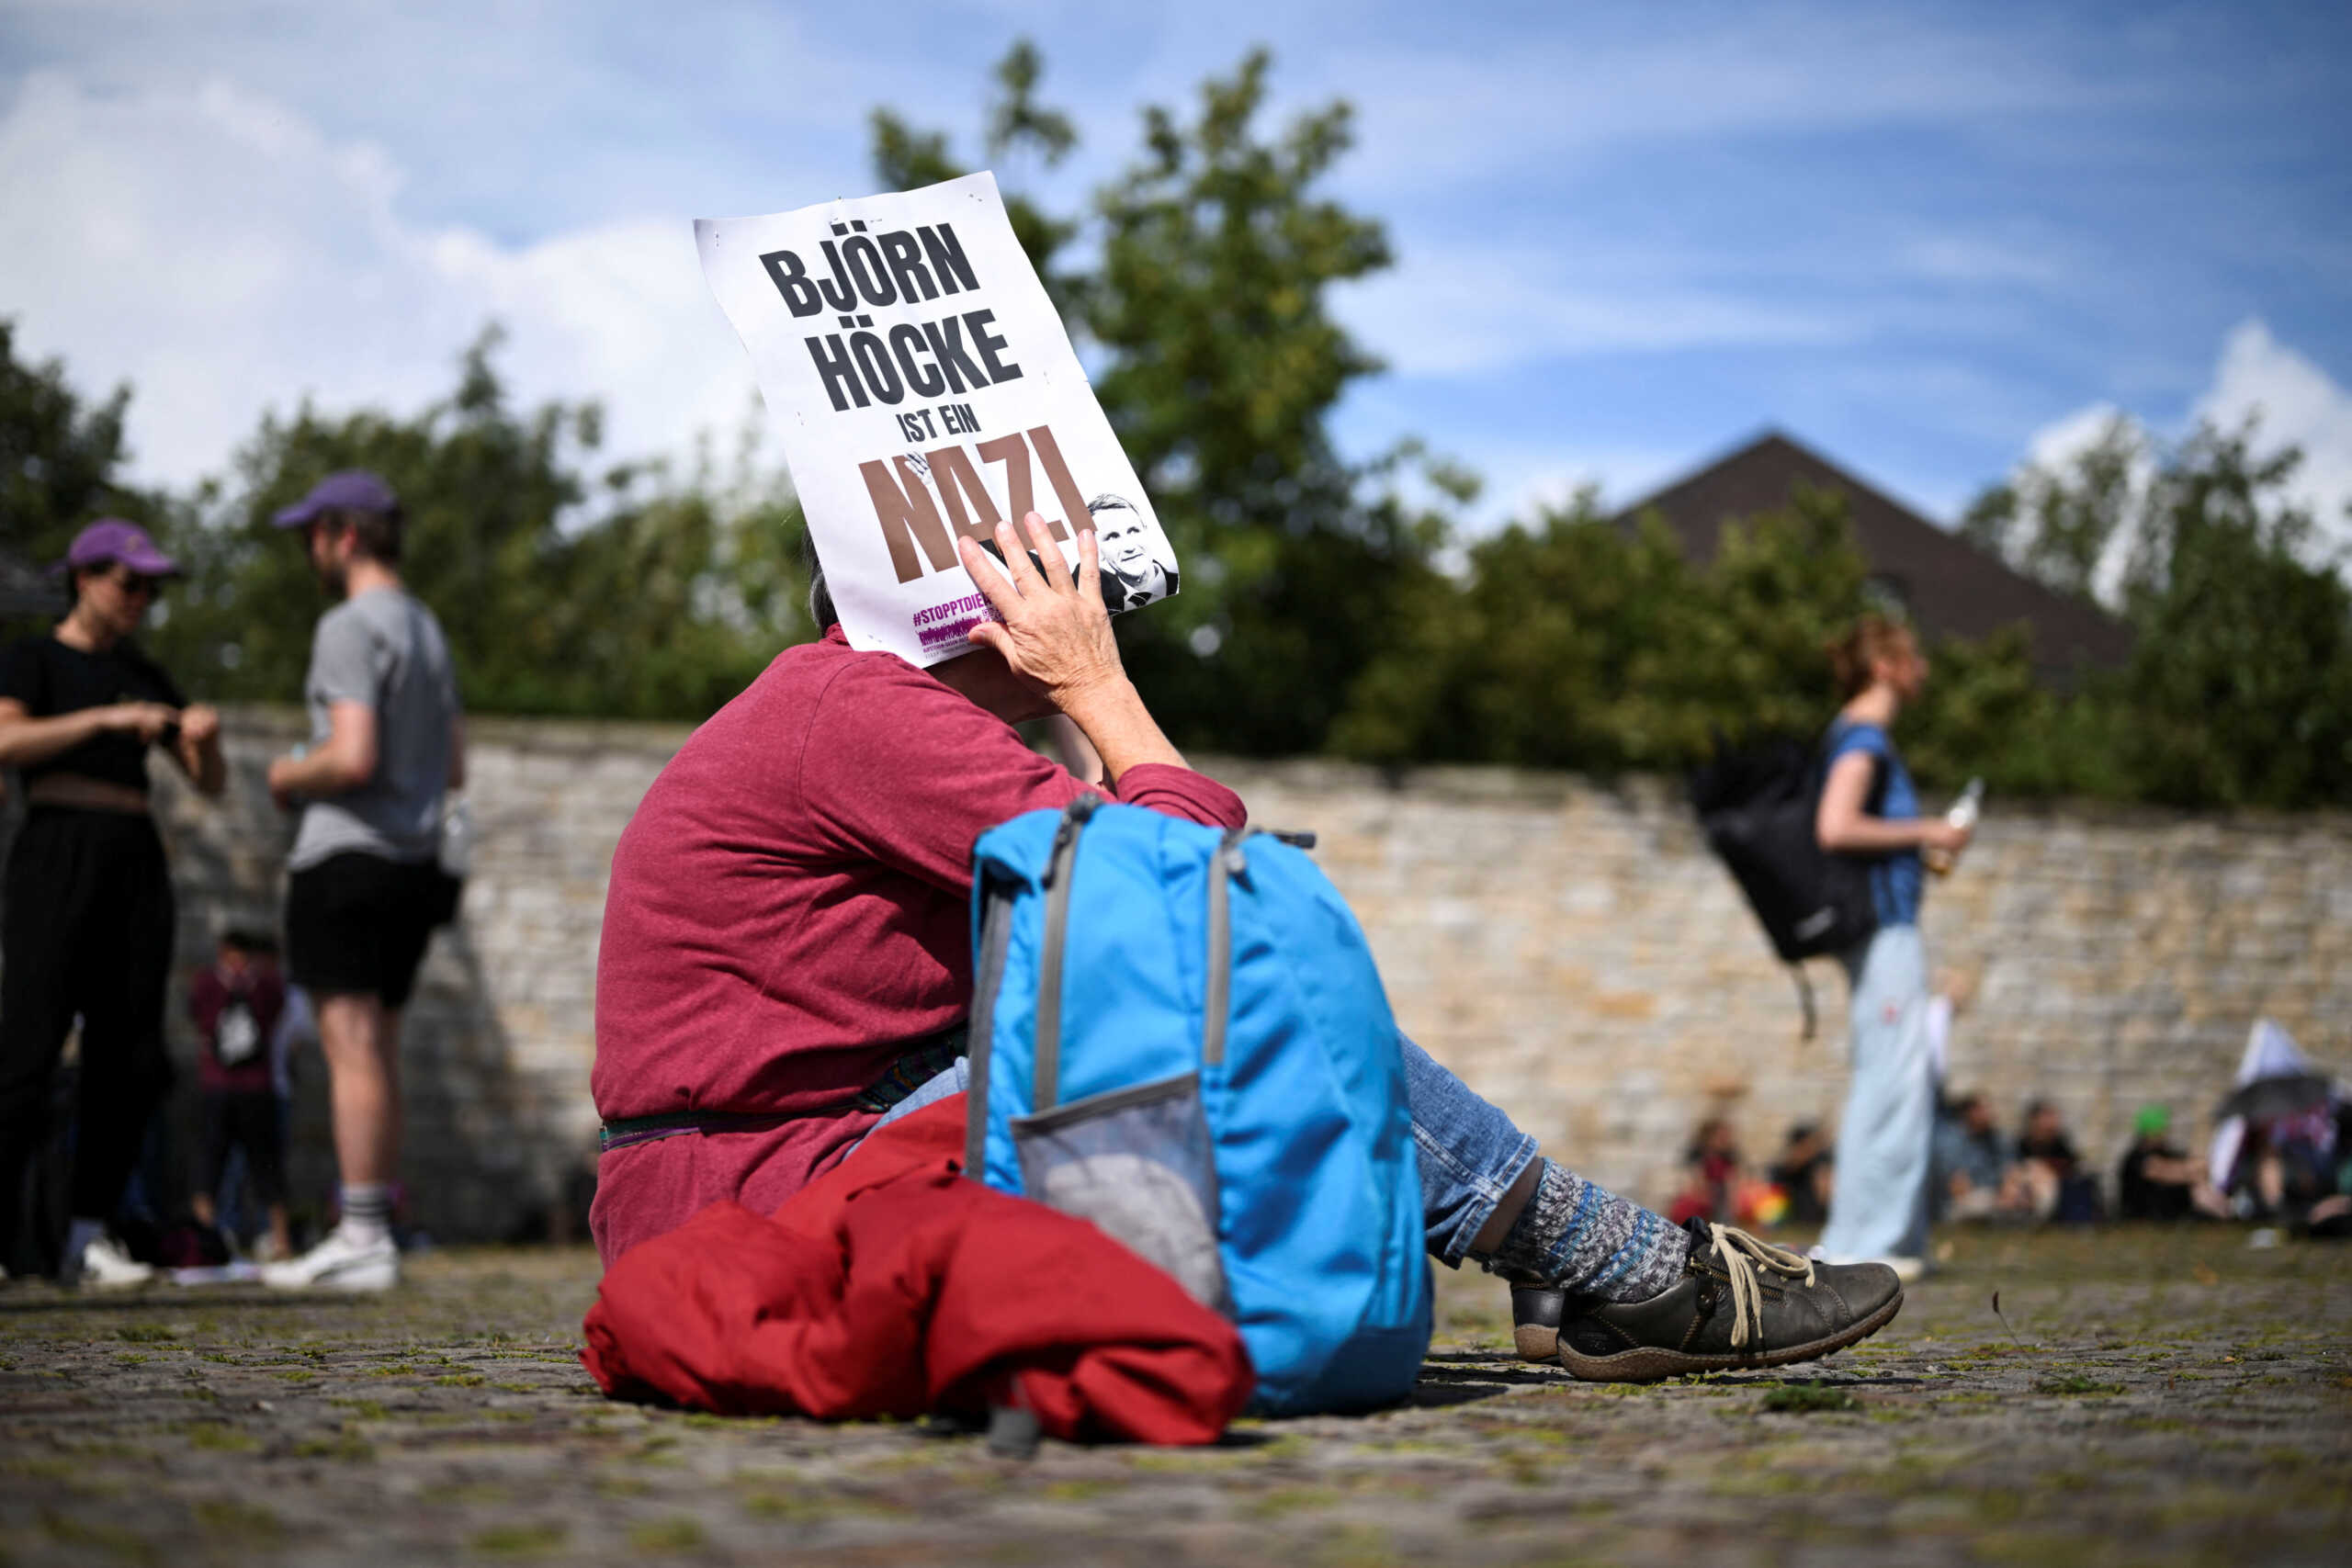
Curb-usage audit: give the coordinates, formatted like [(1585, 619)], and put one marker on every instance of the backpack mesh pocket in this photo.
[(1136, 1162)]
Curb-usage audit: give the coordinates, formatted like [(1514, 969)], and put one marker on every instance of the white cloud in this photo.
[(2058, 444), (2061, 441), (1460, 311), (1522, 480), (2293, 401), (221, 253), (2296, 403)]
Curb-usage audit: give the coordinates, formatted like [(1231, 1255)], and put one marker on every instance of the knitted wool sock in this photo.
[(366, 1209), (1589, 1242)]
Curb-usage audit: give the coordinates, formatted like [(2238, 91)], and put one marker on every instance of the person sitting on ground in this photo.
[(2058, 1188), (1712, 1172), (1803, 1174), (2330, 1216), (785, 963), (2294, 1166), (238, 1006), (1974, 1162), (2045, 1158), (2158, 1180)]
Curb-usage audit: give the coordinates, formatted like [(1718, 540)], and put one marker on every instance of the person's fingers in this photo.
[(1017, 562), (992, 636), (986, 575), (1089, 565), (1041, 538)]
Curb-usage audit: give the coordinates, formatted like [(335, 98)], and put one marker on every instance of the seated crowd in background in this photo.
[(2297, 1171), (1794, 1189), (2294, 1170), (2158, 1178), (1982, 1175)]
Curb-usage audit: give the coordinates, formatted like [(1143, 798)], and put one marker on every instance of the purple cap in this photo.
[(355, 489), (112, 540)]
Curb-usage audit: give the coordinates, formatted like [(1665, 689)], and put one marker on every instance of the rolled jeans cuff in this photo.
[(1470, 1155)]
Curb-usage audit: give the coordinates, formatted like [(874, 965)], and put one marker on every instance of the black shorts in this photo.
[(248, 1119), (357, 923)]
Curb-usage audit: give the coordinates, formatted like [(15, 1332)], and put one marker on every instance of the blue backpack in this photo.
[(1178, 1033)]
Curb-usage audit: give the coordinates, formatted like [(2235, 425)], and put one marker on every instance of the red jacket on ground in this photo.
[(790, 911), (893, 1286)]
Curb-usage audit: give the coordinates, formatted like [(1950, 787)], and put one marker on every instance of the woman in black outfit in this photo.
[(87, 928)]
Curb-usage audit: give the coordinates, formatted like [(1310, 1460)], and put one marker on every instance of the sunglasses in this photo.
[(132, 581)]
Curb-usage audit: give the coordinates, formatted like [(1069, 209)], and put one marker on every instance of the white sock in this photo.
[(366, 1209), (80, 1235)]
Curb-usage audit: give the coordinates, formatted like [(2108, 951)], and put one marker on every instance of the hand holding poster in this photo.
[(924, 388)]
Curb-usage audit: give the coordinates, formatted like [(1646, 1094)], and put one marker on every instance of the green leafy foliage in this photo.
[(634, 597), (1575, 643), (59, 457), (1206, 308), (2239, 690), (2242, 677)]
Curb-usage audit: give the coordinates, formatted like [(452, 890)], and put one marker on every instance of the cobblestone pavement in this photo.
[(2168, 1397)]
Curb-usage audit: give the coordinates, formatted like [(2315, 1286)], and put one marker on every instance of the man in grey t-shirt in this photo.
[(367, 888)]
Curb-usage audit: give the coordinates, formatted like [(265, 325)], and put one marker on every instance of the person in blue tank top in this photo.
[(1877, 1204)]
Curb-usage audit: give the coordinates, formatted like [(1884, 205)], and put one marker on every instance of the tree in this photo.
[(2058, 525), (908, 159), (2241, 679), (1220, 365), (1578, 643), (60, 458), (632, 596), (2239, 690)]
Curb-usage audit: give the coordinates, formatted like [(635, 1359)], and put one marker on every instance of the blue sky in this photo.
[(1929, 240)]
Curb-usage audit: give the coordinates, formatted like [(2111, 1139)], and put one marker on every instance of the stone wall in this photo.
[(1568, 947)]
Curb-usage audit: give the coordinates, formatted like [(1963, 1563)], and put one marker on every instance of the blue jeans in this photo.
[(1878, 1202), (1470, 1152)]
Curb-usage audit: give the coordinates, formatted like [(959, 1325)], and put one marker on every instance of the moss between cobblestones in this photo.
[(2151, 1415)]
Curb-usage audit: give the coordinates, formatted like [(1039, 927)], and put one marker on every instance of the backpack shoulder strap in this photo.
[(1874, 800), (997, 900)]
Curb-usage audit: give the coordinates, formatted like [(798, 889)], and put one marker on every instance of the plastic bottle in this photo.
[(457, 837), (1963, 814)]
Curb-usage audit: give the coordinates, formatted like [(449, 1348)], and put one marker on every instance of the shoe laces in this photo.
[(1742, 1256)]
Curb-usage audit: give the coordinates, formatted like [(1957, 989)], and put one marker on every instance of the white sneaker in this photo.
[(106, 1265), (339, 1263)]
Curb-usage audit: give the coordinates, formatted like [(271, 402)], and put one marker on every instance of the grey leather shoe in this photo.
[(1740, 1303)]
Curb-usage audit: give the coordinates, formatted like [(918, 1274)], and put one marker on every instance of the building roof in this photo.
[(1951, 587)]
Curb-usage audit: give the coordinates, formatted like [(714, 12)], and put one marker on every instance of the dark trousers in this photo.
[(249, 1120), (86, 930)]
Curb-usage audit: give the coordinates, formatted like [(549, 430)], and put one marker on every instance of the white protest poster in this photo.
[(923, 387)]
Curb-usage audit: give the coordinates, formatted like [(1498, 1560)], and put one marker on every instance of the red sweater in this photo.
[(789, 911), (263, 995)]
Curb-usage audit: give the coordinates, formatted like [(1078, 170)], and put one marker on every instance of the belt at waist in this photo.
[(921, 1063)]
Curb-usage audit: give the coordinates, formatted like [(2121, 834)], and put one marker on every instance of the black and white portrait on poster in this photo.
[(925, 390), (1139, 564)]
